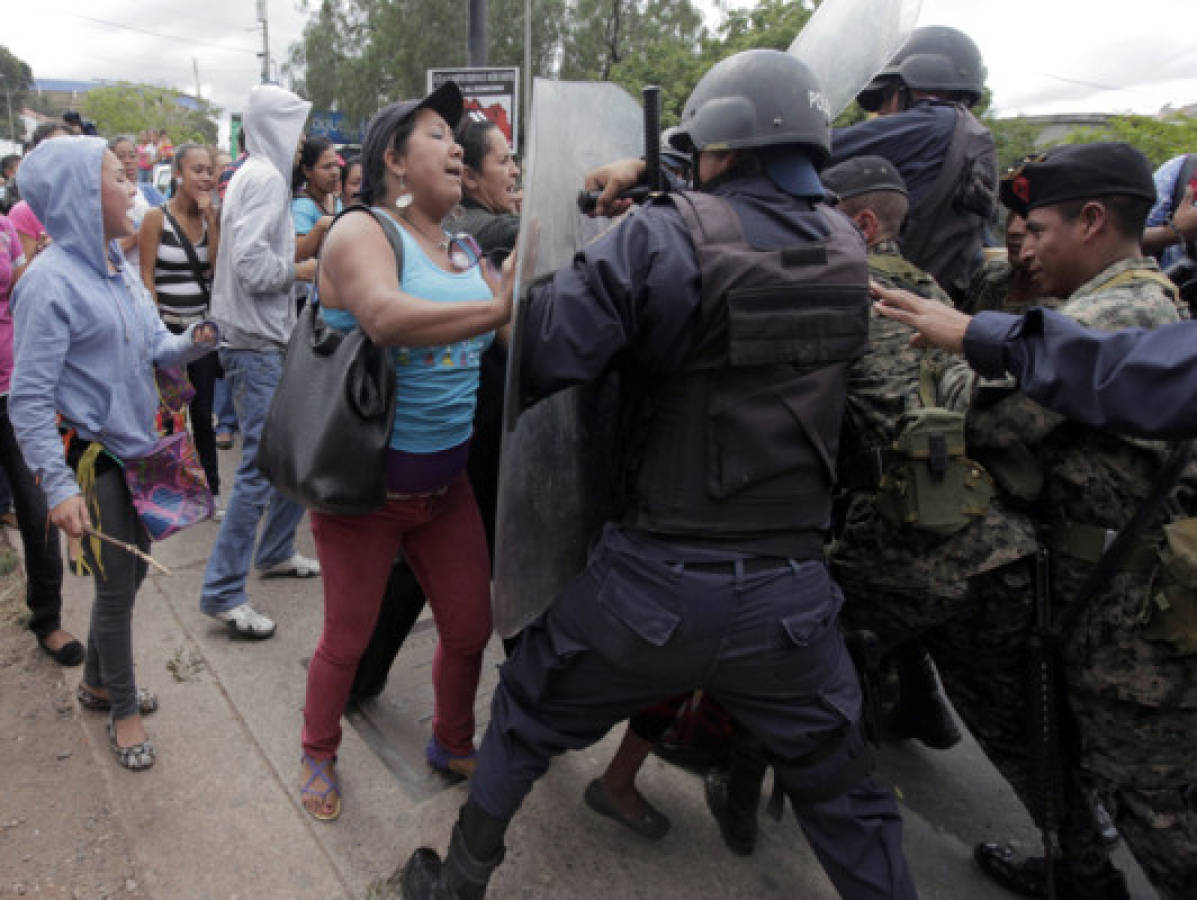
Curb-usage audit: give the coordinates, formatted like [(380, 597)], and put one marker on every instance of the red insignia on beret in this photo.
[(1021, 188)]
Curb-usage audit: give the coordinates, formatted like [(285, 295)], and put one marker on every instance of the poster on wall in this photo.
[(492, 92)]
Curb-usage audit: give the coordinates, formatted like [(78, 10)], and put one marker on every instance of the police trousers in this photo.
[(647, 620)]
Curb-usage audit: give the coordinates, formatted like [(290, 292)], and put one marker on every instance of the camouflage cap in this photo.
[(862, 175), (1077, 172)]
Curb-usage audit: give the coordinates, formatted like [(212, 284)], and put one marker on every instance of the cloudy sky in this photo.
[(1044, 56)]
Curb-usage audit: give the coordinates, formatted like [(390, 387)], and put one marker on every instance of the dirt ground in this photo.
[(58, 835)]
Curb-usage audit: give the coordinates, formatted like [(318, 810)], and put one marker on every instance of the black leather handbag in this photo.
[(327, 434)]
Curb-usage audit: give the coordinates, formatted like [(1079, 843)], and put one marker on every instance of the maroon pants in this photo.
[(442, 538)]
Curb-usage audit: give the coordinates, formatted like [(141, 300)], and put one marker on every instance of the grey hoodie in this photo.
[(251, 290), (86, 338)]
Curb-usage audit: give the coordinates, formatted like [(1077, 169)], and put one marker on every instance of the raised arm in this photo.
[(357, 273)]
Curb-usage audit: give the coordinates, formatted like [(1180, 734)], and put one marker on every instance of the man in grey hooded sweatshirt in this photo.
[(251, 301)]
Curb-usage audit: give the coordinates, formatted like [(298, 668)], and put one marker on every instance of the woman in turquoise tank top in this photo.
[(440, 314)]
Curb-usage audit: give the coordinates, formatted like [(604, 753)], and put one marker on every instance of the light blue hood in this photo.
[(60, 180)]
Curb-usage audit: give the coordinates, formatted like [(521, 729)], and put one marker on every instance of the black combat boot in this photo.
[(475, 850), (734, 796), (1027, 875), (922, 711)]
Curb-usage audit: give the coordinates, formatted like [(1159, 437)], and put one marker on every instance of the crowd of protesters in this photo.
[(106, 284)]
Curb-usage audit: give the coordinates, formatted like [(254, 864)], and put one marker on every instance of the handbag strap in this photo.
[(192, 256), (389, 228)]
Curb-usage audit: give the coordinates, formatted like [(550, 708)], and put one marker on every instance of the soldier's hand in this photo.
[(1184, 217), (611, 180), (936, 324)]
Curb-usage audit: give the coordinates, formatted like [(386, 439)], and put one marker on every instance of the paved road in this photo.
[(218, 816)]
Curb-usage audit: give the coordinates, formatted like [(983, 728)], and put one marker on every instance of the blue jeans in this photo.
[(253, 376), (222, 405)]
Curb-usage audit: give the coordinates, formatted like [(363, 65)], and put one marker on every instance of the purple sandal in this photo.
[(446, 763), (319, 769)]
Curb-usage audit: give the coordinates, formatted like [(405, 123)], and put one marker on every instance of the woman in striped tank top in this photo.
[(180, 285)]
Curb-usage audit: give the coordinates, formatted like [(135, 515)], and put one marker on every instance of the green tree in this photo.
[(358, 55), (16, 80), (127, 108), (1013, 139), (1158, 139)]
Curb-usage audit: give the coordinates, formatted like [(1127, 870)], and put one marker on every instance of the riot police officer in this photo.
[(736, 310), (947, 158)]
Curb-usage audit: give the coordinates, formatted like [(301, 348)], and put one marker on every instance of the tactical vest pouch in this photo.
[(1171, 614), (932, 485)]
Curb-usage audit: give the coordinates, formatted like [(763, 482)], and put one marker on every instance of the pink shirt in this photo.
[(10, 256), (25, 221)]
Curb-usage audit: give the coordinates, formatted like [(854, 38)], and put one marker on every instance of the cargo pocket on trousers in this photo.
[(639, 617)]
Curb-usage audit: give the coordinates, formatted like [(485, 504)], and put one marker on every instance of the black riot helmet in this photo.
[(936, 58), (756, 99)]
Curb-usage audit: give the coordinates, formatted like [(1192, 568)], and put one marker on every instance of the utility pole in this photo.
[(477, 32), (265, 54), (8, 96), (195, 68)]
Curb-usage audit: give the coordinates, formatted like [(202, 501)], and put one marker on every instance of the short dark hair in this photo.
[(9, 161), (385, 134), (889, 207), (474, 136), (1128, 214)]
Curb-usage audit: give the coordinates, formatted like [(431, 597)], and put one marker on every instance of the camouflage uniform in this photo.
[(900, 582), (988, 287), (1134, 700)]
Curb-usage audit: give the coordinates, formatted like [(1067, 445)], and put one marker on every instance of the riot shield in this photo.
[(847, 42), (555, 487)]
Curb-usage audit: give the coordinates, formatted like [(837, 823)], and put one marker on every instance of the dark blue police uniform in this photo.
[(915, 140), (1099, 378), (652, 616)]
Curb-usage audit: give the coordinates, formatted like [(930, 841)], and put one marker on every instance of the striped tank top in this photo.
[(179, 294)]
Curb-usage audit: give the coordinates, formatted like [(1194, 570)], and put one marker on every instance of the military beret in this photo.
[(1077, 172), (862, 175)]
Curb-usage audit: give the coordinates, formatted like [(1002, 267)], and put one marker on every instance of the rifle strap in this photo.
[(1118, 551)]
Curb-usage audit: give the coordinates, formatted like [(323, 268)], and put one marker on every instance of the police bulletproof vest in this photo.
[(742, 441), (943, 235)]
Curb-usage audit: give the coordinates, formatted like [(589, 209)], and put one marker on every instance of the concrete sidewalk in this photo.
[(218, 815)]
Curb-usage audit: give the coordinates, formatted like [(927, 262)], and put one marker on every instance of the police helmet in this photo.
[(757, 98), (935, 58)]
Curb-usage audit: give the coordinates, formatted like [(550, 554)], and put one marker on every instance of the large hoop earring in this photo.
[(403, 201)]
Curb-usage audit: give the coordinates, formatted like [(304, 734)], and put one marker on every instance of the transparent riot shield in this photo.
[(847, 42), (555, 478)]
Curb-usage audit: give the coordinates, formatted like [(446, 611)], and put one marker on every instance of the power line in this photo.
[(159, 34)]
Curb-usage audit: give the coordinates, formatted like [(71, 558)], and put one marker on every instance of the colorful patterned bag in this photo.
[(168, 487)]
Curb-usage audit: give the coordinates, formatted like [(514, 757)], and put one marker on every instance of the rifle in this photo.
[(1053, 740)]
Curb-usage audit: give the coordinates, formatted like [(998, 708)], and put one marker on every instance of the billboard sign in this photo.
[(492, 92)]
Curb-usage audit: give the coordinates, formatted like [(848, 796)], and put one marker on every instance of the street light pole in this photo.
[(265, 54)]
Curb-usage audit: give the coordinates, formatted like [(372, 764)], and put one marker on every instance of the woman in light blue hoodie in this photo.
[(87, 339)]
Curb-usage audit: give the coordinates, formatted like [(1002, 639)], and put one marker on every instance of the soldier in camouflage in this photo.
[(1004, 284), (1130, 672), (901, 582)]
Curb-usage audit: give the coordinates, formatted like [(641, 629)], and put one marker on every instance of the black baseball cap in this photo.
[(863, 175)]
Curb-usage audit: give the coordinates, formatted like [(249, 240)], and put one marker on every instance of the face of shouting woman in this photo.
[(430, 165), (493, 184), (116, 198)]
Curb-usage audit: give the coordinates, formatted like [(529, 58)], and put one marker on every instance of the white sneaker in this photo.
[(298, 566), (217, 509), (246, 621)]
